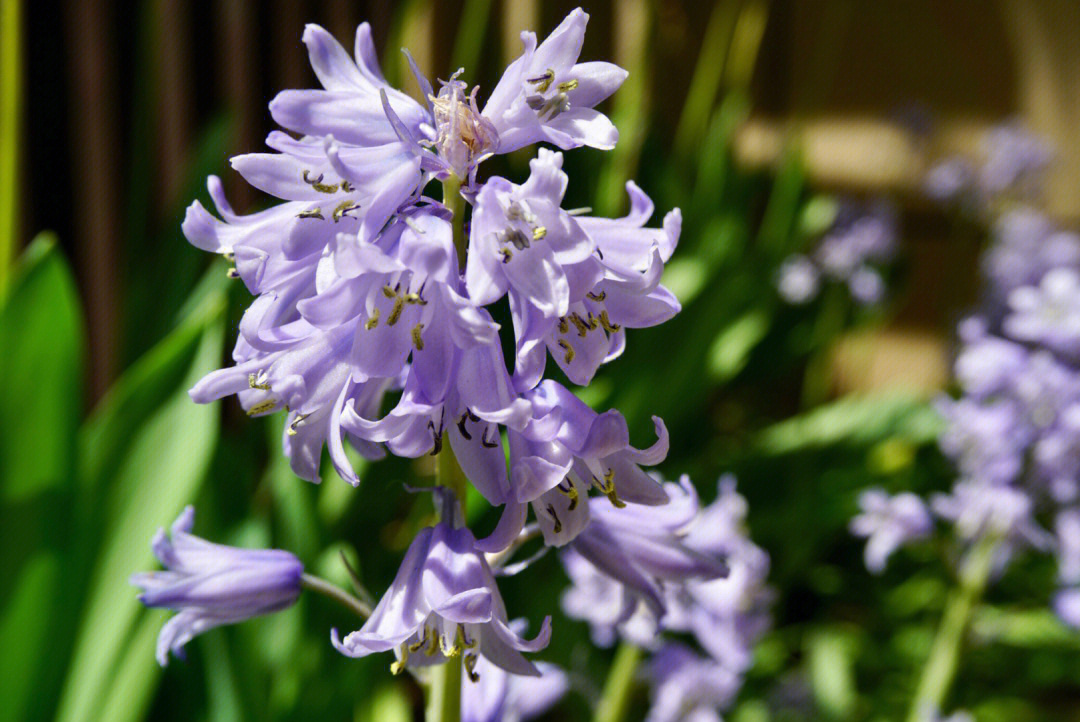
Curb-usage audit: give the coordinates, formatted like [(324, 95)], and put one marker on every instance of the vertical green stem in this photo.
[(444, 693), (10, 130), (619, 687), (940, 669)]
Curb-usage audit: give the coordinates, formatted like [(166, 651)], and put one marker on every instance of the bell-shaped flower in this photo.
[(547, 95), (618, 288), (210, 584), (687, 686), (566, 450), (621, 563), (888, 523), (444, 603)]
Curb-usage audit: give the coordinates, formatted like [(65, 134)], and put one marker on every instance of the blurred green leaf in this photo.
[(731, 349), (157, 455), (42, 336), (1029, 628), (855, 420), (831, 659)]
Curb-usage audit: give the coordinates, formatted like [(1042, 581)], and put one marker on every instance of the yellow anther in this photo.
[(507, 254), (543, 82), (563, 325), (232, 273), (608, 489), (395, 312), (399, 666), (417, 339), (591, 320), (313, 213), (262, 407), (568, 86), (419, 643), (295, 423), (317, 183), (568, 357), (571, 494), (433, 644), (607, 324), (347, 187), (343, 208), (597, 296), (582, 327), (373, 321), (539, 232), (258, 382), (388, 291), (229, 256), (414, 298)]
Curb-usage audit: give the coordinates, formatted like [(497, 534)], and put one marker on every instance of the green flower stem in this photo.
[(619, 687), (444, 692), (331, 591), (940, 669), (10, 131)]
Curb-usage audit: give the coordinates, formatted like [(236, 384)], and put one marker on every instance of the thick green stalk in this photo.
[(444, 693), (619, 687), (10, 130), (940, 669)]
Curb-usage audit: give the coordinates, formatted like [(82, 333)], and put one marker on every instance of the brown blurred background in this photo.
[(859, 83)]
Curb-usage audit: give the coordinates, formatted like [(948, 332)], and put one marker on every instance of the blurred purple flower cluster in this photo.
[(682, 568), (1013, 433), (852, 254)]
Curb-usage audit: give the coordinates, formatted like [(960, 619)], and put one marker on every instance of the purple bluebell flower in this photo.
[(444, 603), (566, 450), (859, 242), (687, 686), (1066, 604), (621, 560), (210, 584), (1014, 160), (889, 522), (949, 179), (547, 95), (1048, 314), (499, 696)]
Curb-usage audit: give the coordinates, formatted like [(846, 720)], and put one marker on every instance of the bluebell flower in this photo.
[(889, 522), (210, 584), (444, 603), (686, 686)]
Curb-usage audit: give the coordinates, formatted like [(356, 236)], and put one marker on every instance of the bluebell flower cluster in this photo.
[(371, 327), (1013, 432), (852, 254), (682, 569)]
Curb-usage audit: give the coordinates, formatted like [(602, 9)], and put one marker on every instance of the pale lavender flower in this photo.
[(210, 584), (620, 562), (566, 450), (687, 687), (888, 523), (949, 179), (1014, 160), (546, 95), (499, 696), (442, 603), (1048, 314), (1066, 604)]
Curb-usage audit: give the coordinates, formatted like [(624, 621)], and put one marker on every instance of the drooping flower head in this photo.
[(444, 603), (210, 584)]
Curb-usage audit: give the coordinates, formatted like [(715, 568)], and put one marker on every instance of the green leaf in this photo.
[(859, 420), (831, 660), (1026, 628), (731, 349), (42, 335), (157, 456)]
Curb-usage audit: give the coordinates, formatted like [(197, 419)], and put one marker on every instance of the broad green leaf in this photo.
[(136, 677), (1027, 628), (42, 335), (853, 420), (154, 468)]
